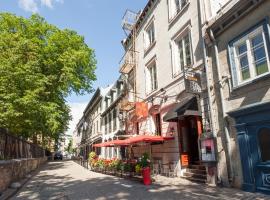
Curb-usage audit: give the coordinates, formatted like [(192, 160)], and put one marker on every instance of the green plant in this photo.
[(138, 168), (101, 163), (119, 165), (127, 167), (92, 155), (145, 160), (92, 158)]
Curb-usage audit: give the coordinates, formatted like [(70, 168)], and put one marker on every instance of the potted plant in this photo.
[(92, 159), (138, 169), (146, 172)]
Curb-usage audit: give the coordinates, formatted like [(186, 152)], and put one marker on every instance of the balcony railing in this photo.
[(128, 61)]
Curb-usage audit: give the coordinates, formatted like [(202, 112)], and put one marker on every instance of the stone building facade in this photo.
[(238, 48)]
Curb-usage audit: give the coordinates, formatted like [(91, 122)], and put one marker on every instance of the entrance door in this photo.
[(193, 141), (188, 141), (260, 156)]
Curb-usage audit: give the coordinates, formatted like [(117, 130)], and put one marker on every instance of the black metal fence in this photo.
[(12, 147)]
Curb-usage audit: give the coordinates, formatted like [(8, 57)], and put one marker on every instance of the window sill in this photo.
[(148, 49), (252, 81), (173, 19)]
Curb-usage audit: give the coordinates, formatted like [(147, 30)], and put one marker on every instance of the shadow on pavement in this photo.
[(100, 187)]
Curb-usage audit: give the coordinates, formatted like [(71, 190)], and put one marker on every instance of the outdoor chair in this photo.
[(165, 169), (156, 167), (173, 169)]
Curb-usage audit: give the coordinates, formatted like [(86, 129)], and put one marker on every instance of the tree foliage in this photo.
[(40, 65)]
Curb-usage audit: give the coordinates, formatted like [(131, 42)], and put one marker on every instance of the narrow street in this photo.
[(68, 180)]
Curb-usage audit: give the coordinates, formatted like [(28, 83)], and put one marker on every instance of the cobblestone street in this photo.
[(68, 180)]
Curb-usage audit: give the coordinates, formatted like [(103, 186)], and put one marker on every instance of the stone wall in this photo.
[(14, 170)]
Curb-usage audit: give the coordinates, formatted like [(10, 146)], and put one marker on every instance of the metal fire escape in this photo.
[(128, 64)]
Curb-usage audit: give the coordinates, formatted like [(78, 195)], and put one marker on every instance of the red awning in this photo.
[(119, 142), (148, 138), (133, 140), (103, 144)]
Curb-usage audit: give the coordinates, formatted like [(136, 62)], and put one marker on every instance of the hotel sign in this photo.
[(193, 82)]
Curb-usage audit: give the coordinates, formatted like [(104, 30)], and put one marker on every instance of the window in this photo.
[(158, 124), (112, 96), (137, 128), (175, 6), (106, 125), (249, 57), (110, 122), (182, 53), (149, 35), (114, 119), (151, 77), (264, 142)]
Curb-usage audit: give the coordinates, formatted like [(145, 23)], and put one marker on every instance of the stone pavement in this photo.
[(67, 180)]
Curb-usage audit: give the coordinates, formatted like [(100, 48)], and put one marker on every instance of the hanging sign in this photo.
[(193, 82), (141, 109)]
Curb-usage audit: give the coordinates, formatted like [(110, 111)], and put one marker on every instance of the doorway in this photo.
[(188, 141)]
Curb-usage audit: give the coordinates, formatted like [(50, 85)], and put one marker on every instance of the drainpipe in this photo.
[(223, 108), (207, 76)]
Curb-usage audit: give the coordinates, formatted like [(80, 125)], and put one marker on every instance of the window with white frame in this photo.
[(182, 53), (149, 37), (175, 6), (249, 56), (151, 77)]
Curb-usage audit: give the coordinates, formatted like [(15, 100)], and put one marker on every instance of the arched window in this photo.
[(264, 142)]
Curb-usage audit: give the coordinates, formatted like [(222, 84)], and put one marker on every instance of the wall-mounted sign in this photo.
[(193, 82), (141, 109)]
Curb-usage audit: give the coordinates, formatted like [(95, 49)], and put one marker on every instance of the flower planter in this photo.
[(146, 173)]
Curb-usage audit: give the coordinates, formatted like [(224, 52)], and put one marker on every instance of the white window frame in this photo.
[(176, 63), (147, 42), (150, 86), (252, 68), (173, 12)]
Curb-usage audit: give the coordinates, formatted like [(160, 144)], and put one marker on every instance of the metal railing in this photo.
[(12, 147)]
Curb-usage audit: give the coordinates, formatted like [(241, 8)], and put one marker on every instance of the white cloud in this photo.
[(76, 112), (33, 5), (49, 3), (29, 5)]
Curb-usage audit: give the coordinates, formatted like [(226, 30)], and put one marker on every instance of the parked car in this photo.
[(58, 156)]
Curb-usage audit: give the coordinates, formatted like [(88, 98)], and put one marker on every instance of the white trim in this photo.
[(176, 66), (173, 13), (146, 40), (252, 68)]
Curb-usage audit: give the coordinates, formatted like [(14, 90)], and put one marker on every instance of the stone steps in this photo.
[(196, 173)]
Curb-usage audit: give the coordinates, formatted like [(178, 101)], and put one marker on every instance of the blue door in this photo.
[(253, 134), (259, 142)]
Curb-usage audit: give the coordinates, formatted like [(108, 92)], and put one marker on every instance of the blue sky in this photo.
[(99, 21)]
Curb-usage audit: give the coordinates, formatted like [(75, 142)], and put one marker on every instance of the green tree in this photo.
[(40, 65), (69, 148)]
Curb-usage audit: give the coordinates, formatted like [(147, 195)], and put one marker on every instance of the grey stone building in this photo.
[(238, 57)]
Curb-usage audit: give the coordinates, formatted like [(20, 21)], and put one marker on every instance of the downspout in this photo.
[(223, 108), (207, 77)]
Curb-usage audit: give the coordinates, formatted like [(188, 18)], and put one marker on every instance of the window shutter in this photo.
[(233, 66)]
